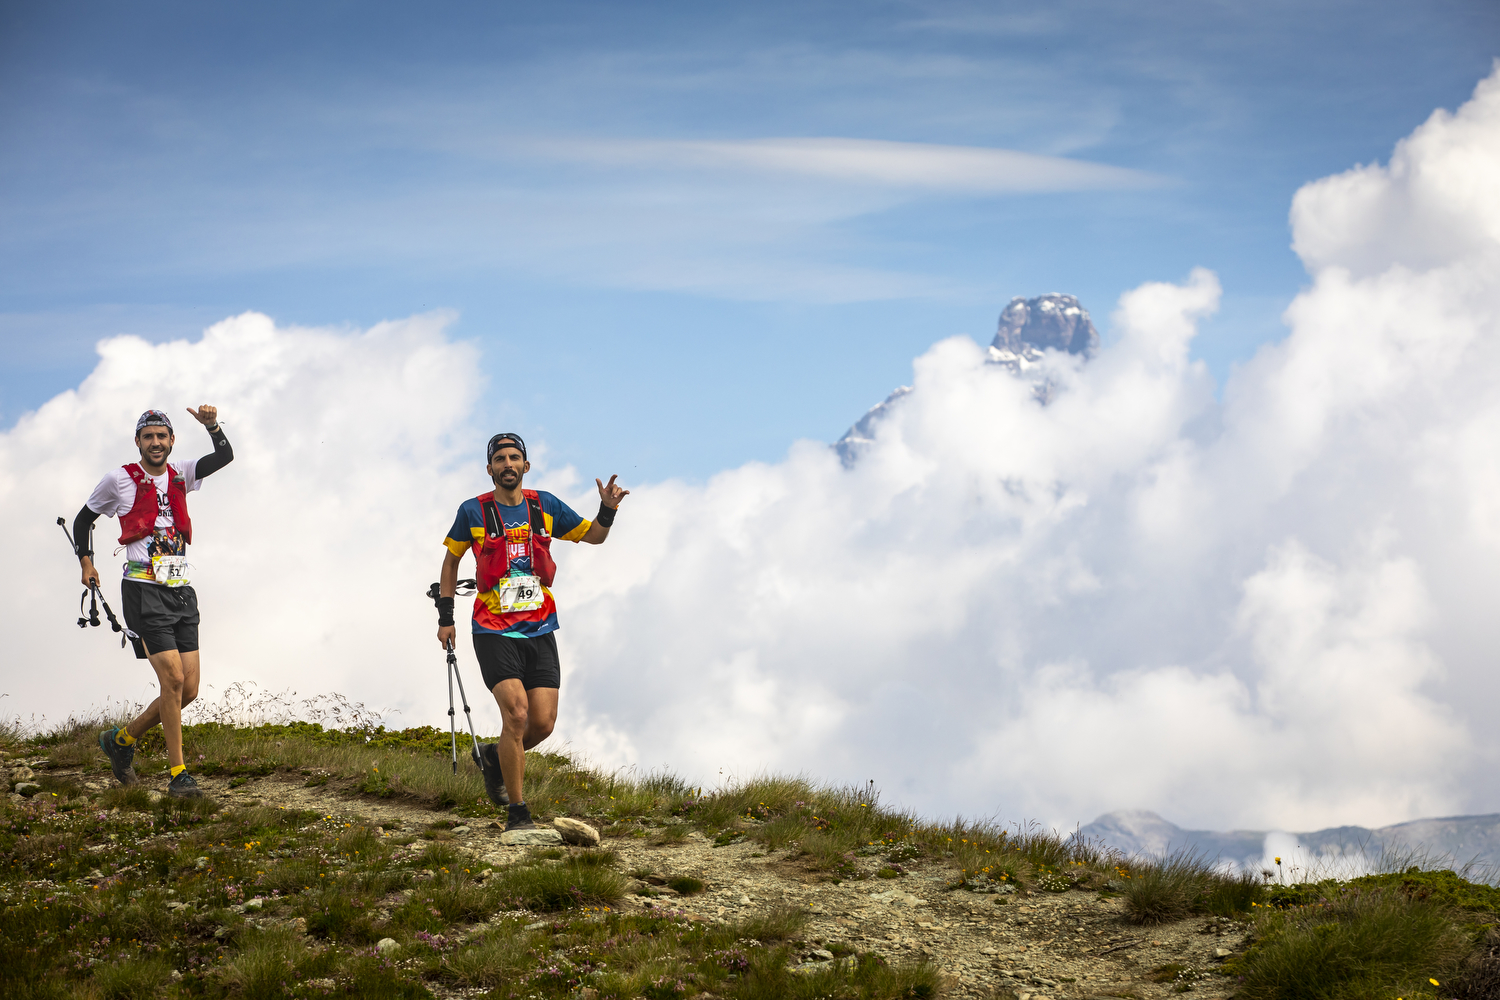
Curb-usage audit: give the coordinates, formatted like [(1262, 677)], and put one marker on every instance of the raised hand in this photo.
[(206, 415), (610, 494)]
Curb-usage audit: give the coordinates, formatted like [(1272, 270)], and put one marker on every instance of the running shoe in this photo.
[(120, 757), (494, 780), (518, 817), (184, 787)]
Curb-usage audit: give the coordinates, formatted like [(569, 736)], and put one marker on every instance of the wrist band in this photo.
[(445, 611), (606, 515)]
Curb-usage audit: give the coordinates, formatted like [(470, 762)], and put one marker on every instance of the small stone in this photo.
[(457, 830), (989, 951), (22, 774), (175, 905), (540, 836), (296, 924), (254, 905), (576, 832), (744, 900), (1222, 953), (201, 863), (536, 926), (822, 954), (26, 789), (386, 945)]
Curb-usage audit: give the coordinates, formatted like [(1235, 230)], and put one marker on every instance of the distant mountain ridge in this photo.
[(1461, 838), (1027, 329)]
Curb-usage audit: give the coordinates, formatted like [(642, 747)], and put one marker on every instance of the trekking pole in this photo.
[(454, 675), (96, 598)]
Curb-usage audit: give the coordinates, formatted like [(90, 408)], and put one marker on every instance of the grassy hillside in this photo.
[(110, 892)]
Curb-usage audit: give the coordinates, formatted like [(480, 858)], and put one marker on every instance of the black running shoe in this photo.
[(518, 817), (120, 757), (184, 787), (494, 780)]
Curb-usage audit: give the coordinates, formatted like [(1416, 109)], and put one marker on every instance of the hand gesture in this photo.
[(611, 495), (206, 415)]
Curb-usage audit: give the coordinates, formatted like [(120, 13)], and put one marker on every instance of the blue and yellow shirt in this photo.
[(468, 527)]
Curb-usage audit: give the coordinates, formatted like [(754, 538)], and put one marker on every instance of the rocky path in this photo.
[(1070, 944)]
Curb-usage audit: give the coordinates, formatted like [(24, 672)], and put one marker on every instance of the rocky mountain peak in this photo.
[(1030, 326), (1027, 328)]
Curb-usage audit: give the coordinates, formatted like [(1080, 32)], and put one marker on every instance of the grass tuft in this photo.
[(1364, 943)]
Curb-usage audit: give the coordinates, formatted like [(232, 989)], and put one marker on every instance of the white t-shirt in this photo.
[(115, 495)]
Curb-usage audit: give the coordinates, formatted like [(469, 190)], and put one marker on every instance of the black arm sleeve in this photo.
[(83, 530), (222, 455)]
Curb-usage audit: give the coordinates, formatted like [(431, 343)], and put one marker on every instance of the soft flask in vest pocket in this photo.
[(492, 561)]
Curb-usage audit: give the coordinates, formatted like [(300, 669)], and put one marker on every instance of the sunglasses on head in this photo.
[(514, 440)]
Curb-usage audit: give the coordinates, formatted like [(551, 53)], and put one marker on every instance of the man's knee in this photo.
[(516, 717), (189, 693), (538, 730)]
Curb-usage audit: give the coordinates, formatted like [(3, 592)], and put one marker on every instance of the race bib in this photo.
[(519, 593), (170, 571)]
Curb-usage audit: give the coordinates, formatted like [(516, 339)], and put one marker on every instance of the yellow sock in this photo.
[(178, 769), (123, 738)]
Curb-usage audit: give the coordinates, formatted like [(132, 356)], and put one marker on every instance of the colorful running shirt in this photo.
[(115, 495), (562, 524)]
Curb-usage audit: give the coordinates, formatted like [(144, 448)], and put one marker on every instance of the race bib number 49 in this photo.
[(520, 593), (170, 571)]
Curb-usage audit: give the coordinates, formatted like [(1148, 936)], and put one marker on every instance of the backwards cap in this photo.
[(514, 440), (153, 418)]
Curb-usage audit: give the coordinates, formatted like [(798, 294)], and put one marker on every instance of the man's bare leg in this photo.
[(528, 720), (177, 676)]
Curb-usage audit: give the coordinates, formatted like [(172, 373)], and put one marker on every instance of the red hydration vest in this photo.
[(491, 554), (140, 520)]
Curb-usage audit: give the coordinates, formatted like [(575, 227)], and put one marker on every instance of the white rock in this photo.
[(536, 926), (26, 788), (540, 836), (457, 830), (1222, 953), (575, 832), (255, 904), (386, 944)]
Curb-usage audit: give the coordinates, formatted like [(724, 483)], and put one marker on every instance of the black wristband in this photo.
[(445, 611), (606, 515)]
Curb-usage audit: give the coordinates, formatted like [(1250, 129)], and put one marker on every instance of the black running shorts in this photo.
[(164, 617), (532, 661)]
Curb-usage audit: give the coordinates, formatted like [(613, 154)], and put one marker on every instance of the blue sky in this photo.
[(658, 289)]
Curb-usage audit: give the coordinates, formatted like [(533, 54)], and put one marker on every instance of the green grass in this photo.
[(1365, 943), (85, 880)]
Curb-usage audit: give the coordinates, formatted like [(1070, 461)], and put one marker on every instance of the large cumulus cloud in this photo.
[(1270, 610)]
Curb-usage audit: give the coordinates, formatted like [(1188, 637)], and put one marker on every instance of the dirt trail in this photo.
[(1070, 944)]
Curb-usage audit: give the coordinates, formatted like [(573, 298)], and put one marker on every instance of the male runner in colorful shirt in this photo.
[(511, 531), (161, 607)]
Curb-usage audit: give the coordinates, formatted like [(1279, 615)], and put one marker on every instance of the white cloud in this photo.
[(906, 165), (1272, 612)]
